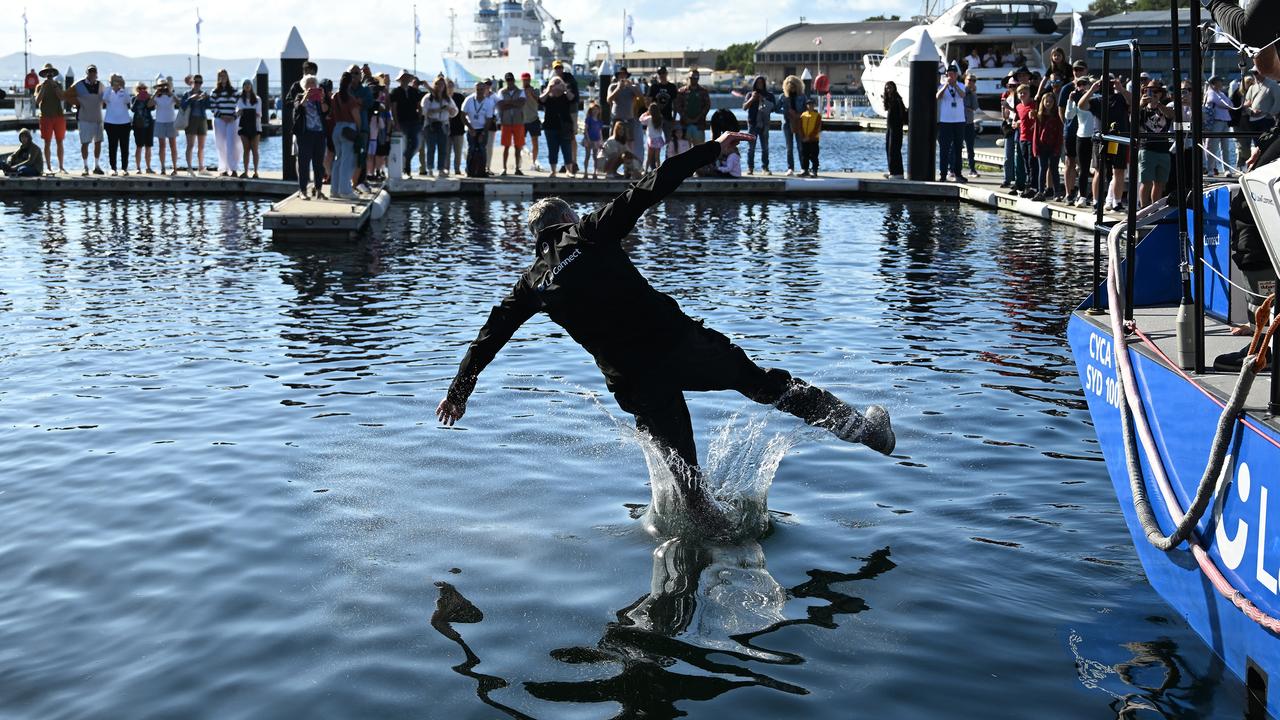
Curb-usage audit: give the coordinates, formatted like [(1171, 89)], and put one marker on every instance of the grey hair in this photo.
[(547, 212), (308, 79)]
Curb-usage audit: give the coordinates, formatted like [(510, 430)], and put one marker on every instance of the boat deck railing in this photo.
[(1185, 198)]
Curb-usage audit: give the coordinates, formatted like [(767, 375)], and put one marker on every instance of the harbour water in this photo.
[(223, 492)]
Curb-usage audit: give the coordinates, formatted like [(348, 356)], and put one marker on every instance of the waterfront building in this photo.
[(643, 63), (1152, 26), (791, 49)]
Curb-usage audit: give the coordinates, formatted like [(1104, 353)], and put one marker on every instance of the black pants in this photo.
[(1084, 157), (118, 139), (704, 360), (809, 156), (310, 159), (893, 147)]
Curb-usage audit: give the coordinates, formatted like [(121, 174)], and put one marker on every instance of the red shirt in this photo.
[(1047, 140), (32, 81), (1026, 122)]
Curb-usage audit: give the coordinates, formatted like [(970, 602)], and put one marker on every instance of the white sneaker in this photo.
[(789, 173)]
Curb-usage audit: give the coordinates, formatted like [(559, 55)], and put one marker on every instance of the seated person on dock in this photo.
[(616, 153), (26, 161), (648, 349)]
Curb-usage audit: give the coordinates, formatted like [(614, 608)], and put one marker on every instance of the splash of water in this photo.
[(741, 462)]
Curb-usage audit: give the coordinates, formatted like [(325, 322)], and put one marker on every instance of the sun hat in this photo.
[(48, 71), (404, 74)]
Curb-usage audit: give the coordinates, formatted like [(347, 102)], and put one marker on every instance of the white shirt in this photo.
[(973, 61), (1087, 123), (117, 102), (951, 104), (478, 111), (437, 111), (165, 112), (657, 136), (243, 104)]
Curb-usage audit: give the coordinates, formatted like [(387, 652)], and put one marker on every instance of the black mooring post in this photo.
[(291, 60), (1197, 184), (922, 110), (262, 85), (1135, 125)]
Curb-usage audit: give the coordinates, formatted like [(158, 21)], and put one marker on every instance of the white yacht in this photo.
[(510, 36), (1008, 29)]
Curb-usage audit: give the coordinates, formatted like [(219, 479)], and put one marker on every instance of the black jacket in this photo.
[(583, 279)]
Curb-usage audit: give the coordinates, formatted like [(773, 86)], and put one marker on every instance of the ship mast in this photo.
[(453, 35)]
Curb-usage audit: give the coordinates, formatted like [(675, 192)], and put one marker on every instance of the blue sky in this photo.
[(248, 28)]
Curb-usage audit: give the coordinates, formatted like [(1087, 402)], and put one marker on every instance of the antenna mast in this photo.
[(453, 35)]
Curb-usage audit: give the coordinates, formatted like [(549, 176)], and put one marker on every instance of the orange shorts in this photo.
[(54, 126), (512, 133)]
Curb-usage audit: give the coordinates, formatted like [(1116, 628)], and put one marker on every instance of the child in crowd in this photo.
[(592, 138), (810, 130), (729, 165), (616, 153), (678, 142), (1028, 185), (655, 136), (1046, 146)]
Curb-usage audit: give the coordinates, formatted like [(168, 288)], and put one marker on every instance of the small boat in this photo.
[(1193, 453), (1021, 29)]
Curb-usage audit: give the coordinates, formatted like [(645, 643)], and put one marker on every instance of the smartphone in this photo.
[(315, 94)]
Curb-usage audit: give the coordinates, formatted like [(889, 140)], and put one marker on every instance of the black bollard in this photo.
[(602, 90), (922, 111), (263, 89), (291, 60)]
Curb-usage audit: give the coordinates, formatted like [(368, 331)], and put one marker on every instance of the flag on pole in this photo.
[(1077, 30), (417, 31), (630, 38), (198, 21)]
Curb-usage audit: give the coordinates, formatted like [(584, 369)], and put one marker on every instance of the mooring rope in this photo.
[(1133, 418)]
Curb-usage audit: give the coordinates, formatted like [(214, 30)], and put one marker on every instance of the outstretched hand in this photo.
[(449, 413), (729, 140)]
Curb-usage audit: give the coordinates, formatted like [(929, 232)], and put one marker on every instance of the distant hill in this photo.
[(146, 68)]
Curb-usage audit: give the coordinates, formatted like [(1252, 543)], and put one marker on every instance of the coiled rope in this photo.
[(1134, 421)]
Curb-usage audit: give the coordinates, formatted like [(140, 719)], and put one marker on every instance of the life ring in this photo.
[(822, 84)]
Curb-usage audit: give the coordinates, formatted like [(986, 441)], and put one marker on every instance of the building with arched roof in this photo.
[(791, 49)]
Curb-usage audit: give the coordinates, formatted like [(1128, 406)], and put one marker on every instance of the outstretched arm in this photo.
[(504, 319), (615, 219)]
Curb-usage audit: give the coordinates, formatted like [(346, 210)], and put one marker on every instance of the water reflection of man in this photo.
[(649, 351)]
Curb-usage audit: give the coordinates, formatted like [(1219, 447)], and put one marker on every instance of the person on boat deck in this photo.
[(26, 161), (972, 60), (1257, 27), (989, 58), (649, 351), (1249, 253)]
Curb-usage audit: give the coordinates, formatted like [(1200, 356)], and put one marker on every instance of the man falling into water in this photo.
[(649, 351)]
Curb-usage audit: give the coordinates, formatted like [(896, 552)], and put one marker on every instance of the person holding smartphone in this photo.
[(309, 111)]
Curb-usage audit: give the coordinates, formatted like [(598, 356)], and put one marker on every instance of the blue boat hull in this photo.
[(1239, 532)]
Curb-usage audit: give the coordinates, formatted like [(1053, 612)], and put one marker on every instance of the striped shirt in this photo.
[(222, 102)]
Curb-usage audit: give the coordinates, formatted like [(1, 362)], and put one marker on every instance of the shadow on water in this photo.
[(708, 608)]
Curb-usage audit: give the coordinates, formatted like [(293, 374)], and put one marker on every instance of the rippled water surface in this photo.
[(223, 494)]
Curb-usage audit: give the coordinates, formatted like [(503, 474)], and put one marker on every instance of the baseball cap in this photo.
[(558, 64), (1080, 65), (525, 76), (662, 69), (91, 67)]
